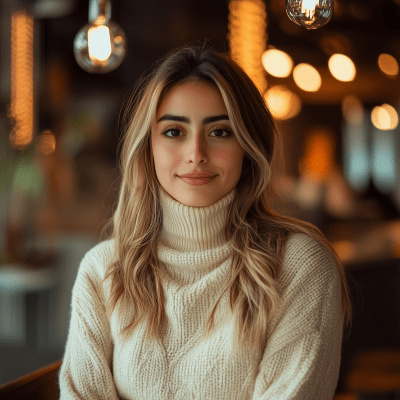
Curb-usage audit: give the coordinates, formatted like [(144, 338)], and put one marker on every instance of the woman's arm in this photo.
[(86, 369), (302, 356)]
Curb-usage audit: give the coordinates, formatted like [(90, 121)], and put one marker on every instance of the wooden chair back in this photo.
[(41, 384)]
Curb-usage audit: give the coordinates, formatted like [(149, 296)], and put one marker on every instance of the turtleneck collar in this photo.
[(194, 229)]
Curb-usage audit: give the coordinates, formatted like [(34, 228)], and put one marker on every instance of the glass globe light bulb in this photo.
[(100, 46), (310, 14)]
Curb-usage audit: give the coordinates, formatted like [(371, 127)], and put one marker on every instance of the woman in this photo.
[(202, 291)]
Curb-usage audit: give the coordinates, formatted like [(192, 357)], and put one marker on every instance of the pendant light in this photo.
[(100, 46), (310, 14)]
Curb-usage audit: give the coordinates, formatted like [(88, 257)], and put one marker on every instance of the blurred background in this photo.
[(334, 93)]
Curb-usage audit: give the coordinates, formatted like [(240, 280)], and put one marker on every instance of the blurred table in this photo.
[(17, 281)]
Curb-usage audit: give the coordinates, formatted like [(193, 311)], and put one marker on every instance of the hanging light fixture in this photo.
[(100, 46), (21, 109), (248, 38), (310, 14)]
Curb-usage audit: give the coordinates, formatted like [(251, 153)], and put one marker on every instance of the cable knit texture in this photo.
[(302, 353)]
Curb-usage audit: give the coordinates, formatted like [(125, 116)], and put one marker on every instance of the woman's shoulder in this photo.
[(306, 255), (96, 260), (92, 269), (303, 245), (102, 249)]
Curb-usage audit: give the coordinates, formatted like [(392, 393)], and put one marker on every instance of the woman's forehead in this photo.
[(195, 96)]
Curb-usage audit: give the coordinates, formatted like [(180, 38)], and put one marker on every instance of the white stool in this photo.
[(16, 281)]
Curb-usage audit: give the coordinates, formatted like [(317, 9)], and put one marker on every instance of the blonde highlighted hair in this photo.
[(258, 233)]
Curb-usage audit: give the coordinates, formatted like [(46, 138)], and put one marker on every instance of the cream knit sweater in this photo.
[(302, 355)]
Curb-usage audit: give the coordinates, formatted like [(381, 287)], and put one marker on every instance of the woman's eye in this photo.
[(220, 133), (170, 130)]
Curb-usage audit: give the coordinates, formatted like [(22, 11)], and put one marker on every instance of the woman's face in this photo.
[(195, 145)]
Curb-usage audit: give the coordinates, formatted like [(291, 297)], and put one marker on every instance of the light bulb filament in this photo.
[(310, 14), (308, 8), (99, 43)]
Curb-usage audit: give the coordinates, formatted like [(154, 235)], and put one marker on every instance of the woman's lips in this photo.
[(198, 181)]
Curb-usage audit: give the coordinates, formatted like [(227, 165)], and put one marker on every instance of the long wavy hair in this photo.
[(259, 234)]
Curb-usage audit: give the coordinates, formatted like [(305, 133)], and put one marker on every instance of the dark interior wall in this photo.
[(374, 289)]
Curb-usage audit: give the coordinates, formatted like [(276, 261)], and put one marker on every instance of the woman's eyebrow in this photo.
[(207, 120)]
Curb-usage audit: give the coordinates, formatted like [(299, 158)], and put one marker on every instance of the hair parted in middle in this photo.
[(258, 233)]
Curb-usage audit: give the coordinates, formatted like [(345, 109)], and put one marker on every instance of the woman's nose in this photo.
[(197, 149)]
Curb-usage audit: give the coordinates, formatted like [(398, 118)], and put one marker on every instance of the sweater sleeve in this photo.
[(303, 353), (86, 369)]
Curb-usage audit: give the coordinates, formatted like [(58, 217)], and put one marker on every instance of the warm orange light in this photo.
[(385, 117), (345, 249), (248, 38), (282, 103), (277, 63), (21, 105), (318, 158), (342, 67), (307, 77), (388, 64), (394, 118)]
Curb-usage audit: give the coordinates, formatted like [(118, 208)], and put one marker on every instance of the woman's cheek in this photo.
[(226, 157)]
